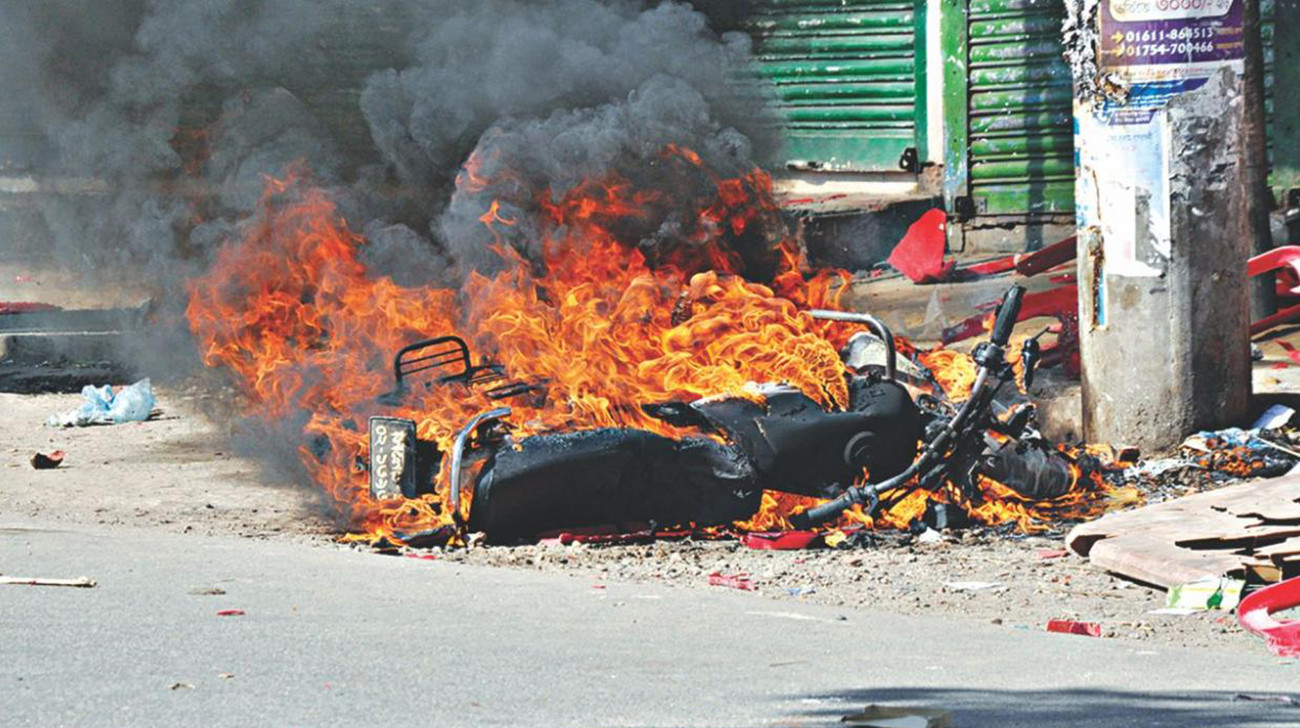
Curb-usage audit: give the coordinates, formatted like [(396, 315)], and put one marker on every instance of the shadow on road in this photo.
[(1002, 708)]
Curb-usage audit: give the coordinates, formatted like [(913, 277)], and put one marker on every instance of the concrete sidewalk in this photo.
[(338, 637)]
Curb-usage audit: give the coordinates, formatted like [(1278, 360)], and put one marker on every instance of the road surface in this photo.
[(335, 637)]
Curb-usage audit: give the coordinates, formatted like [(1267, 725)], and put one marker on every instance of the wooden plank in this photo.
[(1228, 531)]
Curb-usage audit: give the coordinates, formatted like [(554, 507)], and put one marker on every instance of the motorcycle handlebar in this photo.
[(828, 511), (1008, 312)]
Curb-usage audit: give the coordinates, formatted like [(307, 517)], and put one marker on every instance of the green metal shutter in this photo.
[(1020, 117), (845, 78), (1280, 31)]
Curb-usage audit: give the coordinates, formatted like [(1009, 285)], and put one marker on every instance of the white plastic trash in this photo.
[(103, 406)]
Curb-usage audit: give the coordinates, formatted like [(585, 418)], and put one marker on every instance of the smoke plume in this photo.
[(151, 129), (159, 122)]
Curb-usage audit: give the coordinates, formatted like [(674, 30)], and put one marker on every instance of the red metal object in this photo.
[(12, 307), (989, 267), (230, 613), (1031, 264), (779, 540), (1255, 613), (919, 255), (1286, 259), (734, 581), (1067, 626), (1027, 264), (1291, 352), (627, 533), (1062, 302), (1058, 303)]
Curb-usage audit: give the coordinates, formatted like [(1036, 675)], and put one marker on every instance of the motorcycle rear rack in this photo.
[(448, 358)]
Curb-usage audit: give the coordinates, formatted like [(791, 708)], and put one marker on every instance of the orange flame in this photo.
[(292, 311)]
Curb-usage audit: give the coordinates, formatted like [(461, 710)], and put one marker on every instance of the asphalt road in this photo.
[(337, 637)]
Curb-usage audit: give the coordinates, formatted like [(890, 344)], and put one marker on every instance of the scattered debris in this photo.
[(885, 716), (180, 686), (800, 591), (1243, 451), (1174, 611), (1282, 636), (972, 585), (1158, 467), (1050, 554), (1068, 626), (230, 613), (930, 535), (735, 581), (611, 535), (1234, 531), (779, 541), (103, 406), (84, 582), (1205, 594), (42, 461), (1274, 417), (225, 675), (212, 591)]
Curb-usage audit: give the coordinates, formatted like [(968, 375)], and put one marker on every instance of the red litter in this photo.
[(735, 581), (41, 461), (1066, 626), (1291, 352), (779, 541), (230, 613), (1048, 554), (1282, 636), (426, 557)]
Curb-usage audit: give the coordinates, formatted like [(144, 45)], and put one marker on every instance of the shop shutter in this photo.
[(1267, 9), (846, 79), (1020, 126)]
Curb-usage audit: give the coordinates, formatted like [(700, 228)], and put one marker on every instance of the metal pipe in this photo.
[(877, 327), (458, 453)]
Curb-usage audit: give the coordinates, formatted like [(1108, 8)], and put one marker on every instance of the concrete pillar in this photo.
[(1164, 222)]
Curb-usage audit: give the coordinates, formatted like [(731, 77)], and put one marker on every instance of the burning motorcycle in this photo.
[(885, 444)]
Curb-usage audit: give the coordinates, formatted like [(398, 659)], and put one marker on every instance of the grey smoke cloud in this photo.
[(487, 61), (171, 114)]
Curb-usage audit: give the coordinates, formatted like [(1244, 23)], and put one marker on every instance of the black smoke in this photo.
[(151, 127), (159, 122)]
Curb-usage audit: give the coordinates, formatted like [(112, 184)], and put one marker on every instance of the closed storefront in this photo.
[(854, 83), (1009, 172), (848, 80)]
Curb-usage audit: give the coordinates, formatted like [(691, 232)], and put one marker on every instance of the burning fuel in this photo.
[(573, 190), (600, 330)]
